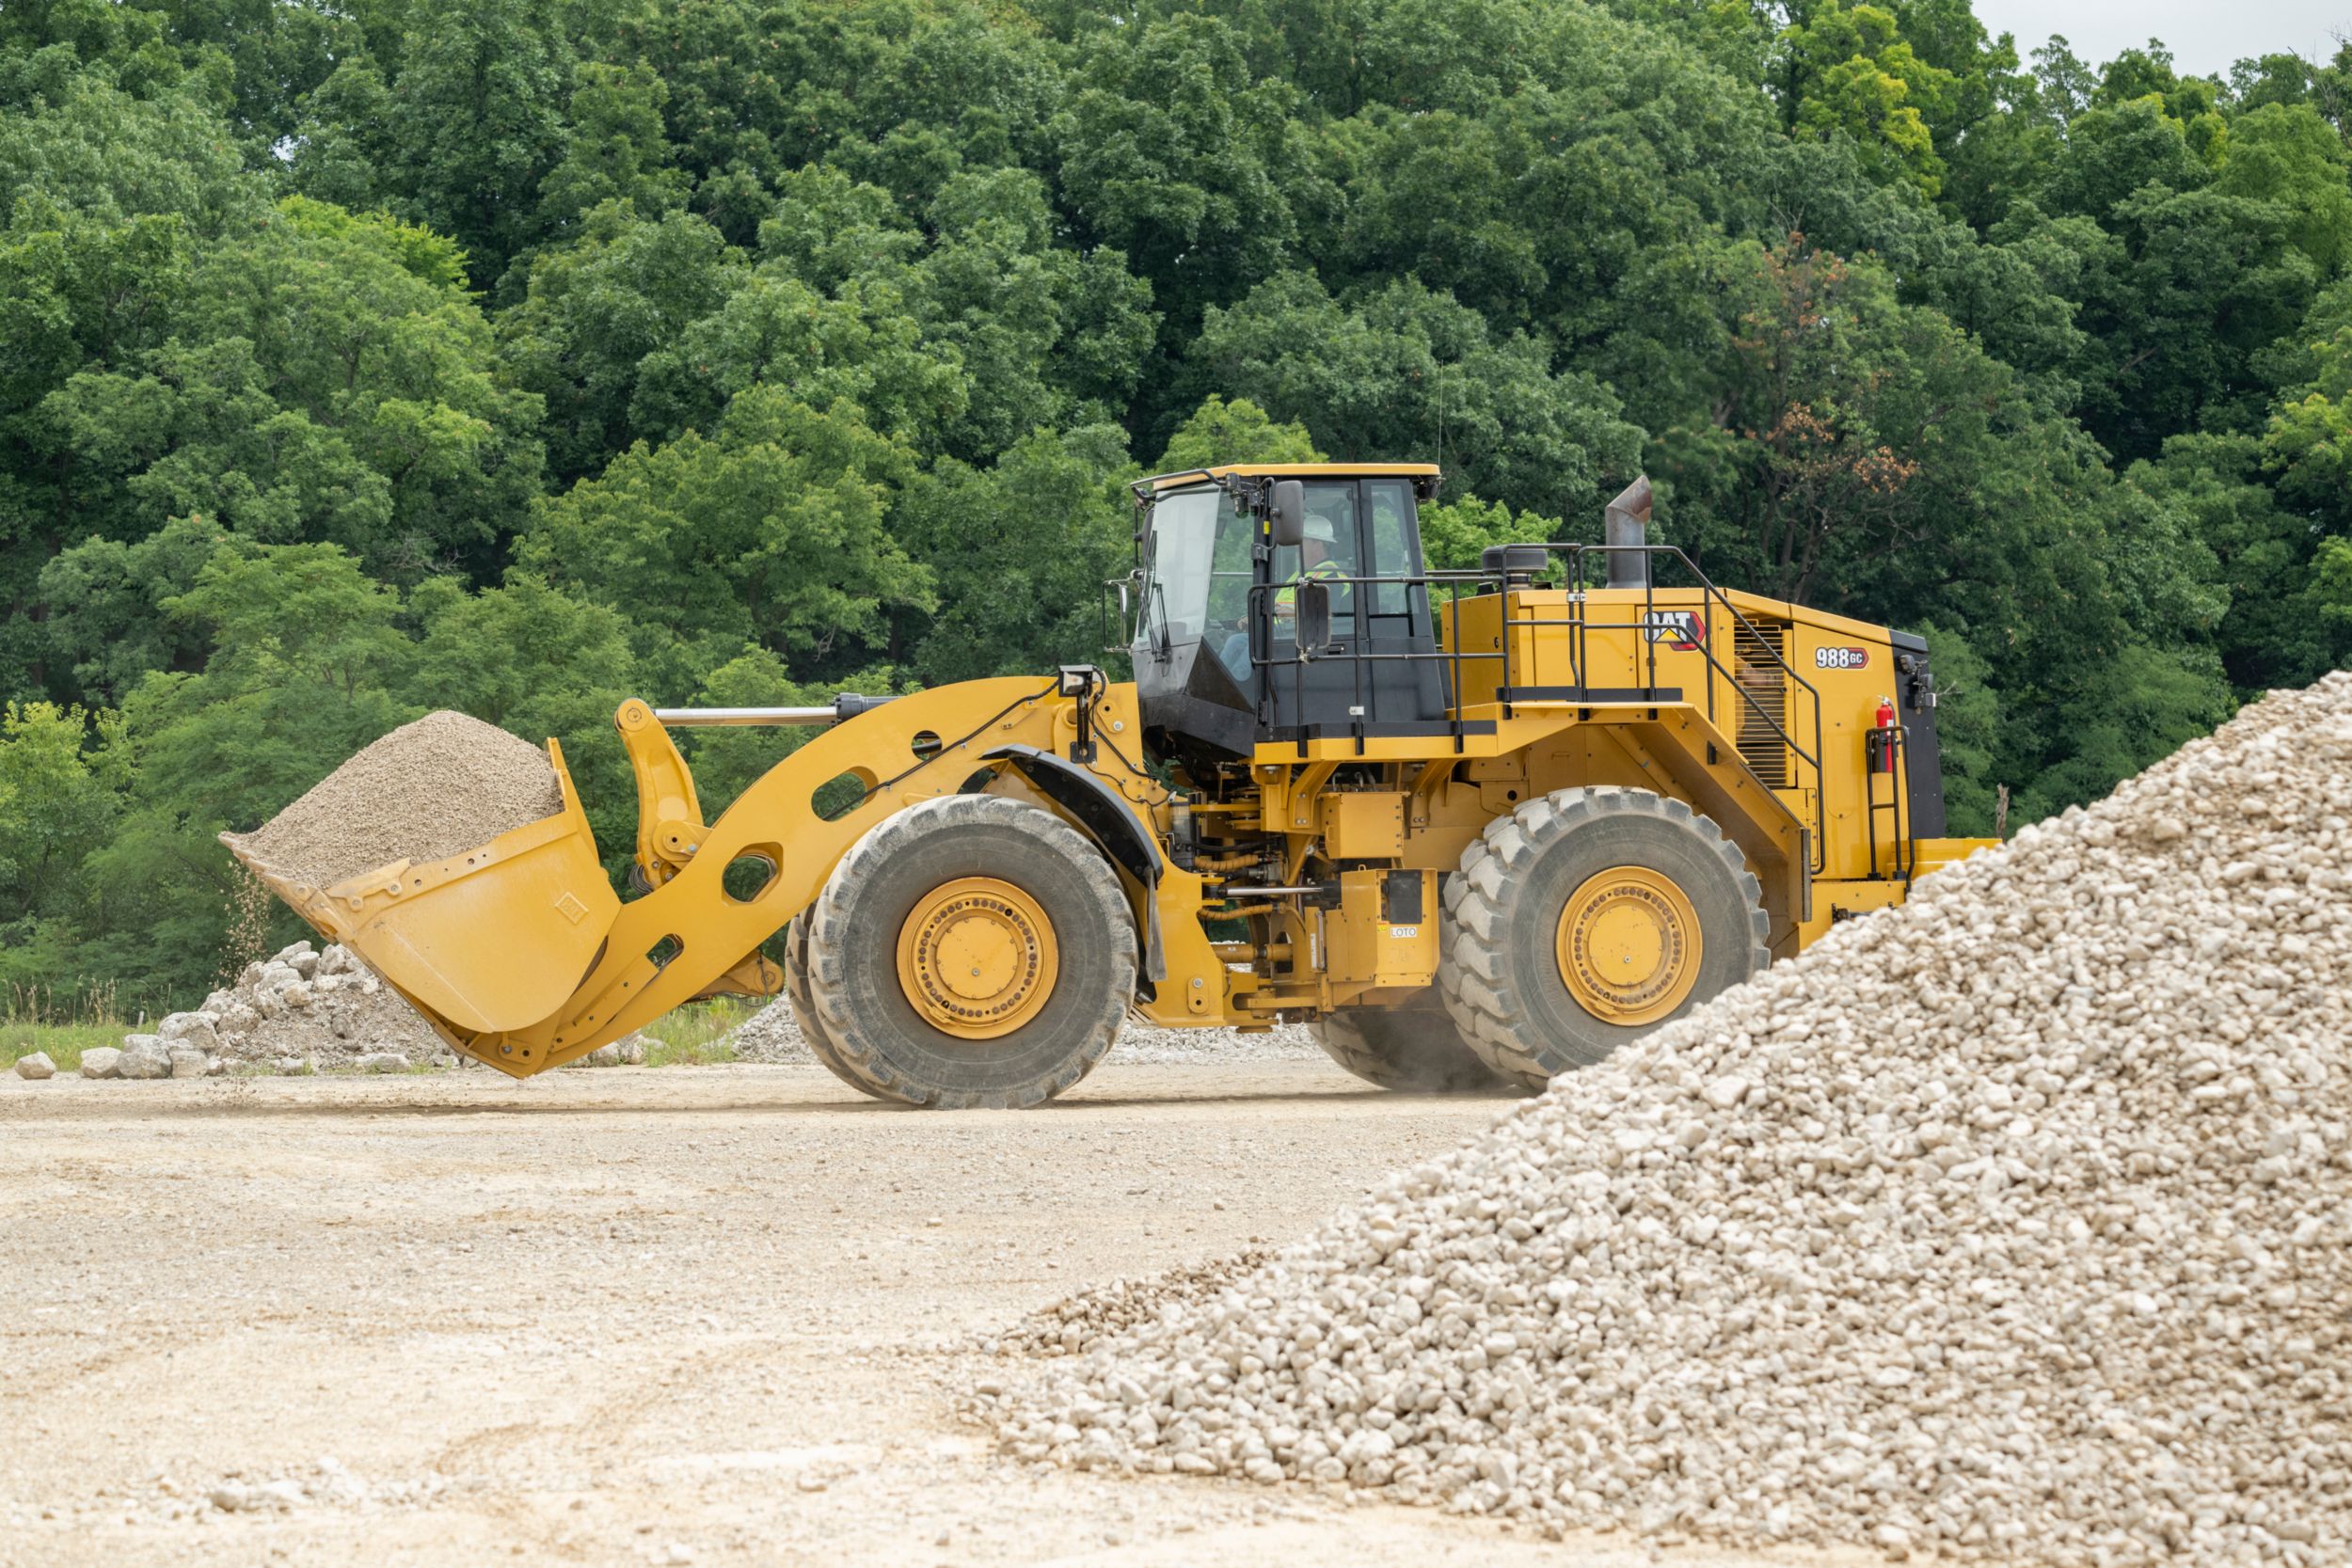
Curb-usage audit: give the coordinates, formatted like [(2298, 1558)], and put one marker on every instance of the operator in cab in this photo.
[(1315, 551)]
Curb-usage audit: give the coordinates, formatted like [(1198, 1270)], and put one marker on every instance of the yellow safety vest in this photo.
[(1286, 596)]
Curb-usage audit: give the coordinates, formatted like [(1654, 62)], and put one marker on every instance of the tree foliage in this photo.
[(361, 359)]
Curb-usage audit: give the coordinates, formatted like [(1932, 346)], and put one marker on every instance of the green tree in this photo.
[(335, 383), (61, 779), (615, 150), (461, 135), (106, 626), (1454, 535), (1235, 432), (773, 532), (61, 776), (1410, 373), (2287, 156), (596, 310), (863, 349), (1848, 69), (1019, 552), (1173, 155), (2272, 633)]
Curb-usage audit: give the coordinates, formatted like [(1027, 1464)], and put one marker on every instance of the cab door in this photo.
[(1375, 674)]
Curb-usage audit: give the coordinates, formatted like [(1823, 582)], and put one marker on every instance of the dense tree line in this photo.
[(518, 355)]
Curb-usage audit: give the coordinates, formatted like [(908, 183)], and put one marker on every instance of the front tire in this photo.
[(969, 952), (804, 1009), (1586, 919)]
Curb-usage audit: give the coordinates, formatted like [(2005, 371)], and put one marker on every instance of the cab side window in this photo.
[(1389, 504), (1330, 550)]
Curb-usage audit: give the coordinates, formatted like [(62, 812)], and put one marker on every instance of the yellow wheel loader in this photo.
[(1472, 828)]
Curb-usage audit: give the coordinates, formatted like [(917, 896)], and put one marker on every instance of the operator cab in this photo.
[(1219, 666)]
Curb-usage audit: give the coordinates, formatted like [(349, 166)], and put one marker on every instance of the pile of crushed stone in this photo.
[(770, 1035), (428, 790), (1078, 1323), (2011, 1225), (773, 1035), (302, 1010)]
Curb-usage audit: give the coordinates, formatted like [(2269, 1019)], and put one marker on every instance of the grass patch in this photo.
[(695, 1034), (35, 1019), (63, 1042)]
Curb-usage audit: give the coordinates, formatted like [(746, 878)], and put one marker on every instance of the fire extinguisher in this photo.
[(1883, 738)]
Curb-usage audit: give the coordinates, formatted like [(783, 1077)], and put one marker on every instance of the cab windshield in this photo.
[(1196, 569)]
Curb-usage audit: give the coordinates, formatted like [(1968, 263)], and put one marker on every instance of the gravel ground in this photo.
[(710, 1315), (773, 1035)]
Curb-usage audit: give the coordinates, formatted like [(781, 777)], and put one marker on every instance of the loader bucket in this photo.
[(486, 941)]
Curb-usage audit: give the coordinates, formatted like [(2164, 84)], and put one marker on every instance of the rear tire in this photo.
[(1508, 948), (972, 952), (804, 1009), (1416, 1048)]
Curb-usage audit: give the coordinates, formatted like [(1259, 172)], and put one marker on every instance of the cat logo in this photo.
[(1679, 629)]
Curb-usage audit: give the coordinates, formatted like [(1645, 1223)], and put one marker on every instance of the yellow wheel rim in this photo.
[(1628, 945), (976, 958)]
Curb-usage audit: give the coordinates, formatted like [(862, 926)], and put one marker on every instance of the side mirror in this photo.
[(1287, 511), (1313, 630)]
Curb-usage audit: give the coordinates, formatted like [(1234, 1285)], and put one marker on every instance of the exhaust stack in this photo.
[(1627, 523)]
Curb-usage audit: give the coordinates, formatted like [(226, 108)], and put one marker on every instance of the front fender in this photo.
[(1111, 823)]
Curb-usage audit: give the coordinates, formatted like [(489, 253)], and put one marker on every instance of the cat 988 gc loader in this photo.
[(1472, 828)]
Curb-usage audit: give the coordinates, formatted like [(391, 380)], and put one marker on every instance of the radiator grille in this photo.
[(1758, 648)]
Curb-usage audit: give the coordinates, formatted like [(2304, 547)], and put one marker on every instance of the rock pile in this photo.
[(2012, 1224), (300, 1011), (1078, 1323), (428, 790), (770, 1035)]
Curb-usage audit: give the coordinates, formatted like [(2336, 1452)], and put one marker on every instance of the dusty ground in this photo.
[(709, 1315)]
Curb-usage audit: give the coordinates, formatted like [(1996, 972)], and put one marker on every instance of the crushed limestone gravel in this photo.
[(2013, 1225), (773, 1035), (428, 790)]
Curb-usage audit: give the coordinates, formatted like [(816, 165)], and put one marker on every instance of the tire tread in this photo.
[(861, 1050), (1473, 928)]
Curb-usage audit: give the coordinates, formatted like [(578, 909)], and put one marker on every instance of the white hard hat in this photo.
[(1319, 528)]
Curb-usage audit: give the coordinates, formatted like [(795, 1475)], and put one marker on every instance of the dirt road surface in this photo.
[(714, 1316)]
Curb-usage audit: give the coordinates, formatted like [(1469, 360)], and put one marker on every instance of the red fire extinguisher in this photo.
[(1883, 738)]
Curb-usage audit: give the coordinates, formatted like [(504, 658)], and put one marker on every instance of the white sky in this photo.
[(2205, 36)]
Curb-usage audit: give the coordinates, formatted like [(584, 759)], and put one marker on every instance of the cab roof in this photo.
[(1158, 483)]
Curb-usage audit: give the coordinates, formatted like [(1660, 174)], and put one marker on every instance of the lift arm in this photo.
[(484, 943)]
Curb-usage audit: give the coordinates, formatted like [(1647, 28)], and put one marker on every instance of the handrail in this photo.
[(1575, 553), (1301, 658), (1580, 627), (1904, 857), (1710, 595)]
